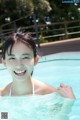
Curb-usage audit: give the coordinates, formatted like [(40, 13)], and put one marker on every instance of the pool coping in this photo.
[(60, 46)]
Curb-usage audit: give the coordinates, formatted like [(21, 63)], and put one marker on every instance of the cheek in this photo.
[(32, 61), (9, 64), (29, 62)]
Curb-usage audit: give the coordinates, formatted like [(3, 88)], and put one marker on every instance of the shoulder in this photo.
[(5, 90), (43, 88), (1, 90)]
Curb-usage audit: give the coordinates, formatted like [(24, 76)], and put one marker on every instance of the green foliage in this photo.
[(0, 45), (18, 9), (43, 40), (55, 9)]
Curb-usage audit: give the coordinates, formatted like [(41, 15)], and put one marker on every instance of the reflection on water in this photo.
[(49, 107)]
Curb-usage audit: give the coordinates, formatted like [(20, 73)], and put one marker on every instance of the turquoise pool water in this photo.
[(53, 69)]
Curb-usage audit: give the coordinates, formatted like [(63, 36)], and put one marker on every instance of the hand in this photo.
[(66, 91)]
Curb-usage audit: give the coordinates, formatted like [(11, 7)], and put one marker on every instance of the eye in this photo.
[(12, 58), (26, 57)]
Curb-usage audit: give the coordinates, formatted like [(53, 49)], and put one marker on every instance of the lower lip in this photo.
[(20, 74)]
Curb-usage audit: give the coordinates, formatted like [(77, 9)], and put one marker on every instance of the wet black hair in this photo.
[(19, 36)]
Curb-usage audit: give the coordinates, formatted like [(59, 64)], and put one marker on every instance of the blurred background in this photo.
[(46, 20)]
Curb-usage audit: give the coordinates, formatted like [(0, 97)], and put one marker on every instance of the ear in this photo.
[(36, 59), (3, 62)]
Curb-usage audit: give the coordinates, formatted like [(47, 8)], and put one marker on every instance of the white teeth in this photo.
[(19, 72)]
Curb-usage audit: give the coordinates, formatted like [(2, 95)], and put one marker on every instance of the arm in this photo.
[(63, 114), (66, 91), (69, 98)]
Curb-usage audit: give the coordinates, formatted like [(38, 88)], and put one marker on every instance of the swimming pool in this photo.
[(53, 69)]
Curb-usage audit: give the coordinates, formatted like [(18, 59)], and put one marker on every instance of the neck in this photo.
[(22, 88)]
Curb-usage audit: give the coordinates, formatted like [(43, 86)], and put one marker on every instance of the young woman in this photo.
[(19, 55)]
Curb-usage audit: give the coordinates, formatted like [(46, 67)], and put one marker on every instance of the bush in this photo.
[(0, 46), (43, 40)]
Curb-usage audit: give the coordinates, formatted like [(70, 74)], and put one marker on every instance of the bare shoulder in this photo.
[(1, 90), (4, 91), (43, 88)]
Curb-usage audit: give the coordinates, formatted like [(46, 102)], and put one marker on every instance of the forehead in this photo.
[(20, 48)]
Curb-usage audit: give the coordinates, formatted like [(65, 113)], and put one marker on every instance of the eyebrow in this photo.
[(26, 54), (11, 55), (22, 54)]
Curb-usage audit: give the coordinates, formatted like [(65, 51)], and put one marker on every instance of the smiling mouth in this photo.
[(20, 73)]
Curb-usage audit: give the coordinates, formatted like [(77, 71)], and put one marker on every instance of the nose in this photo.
[(18, 63)]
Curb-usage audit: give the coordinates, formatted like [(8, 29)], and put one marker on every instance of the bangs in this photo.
[(21, 37), (28, 40)]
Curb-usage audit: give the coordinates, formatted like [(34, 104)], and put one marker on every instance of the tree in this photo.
[(20, 8)]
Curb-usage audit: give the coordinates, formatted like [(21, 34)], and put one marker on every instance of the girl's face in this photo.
[(21, 61)]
